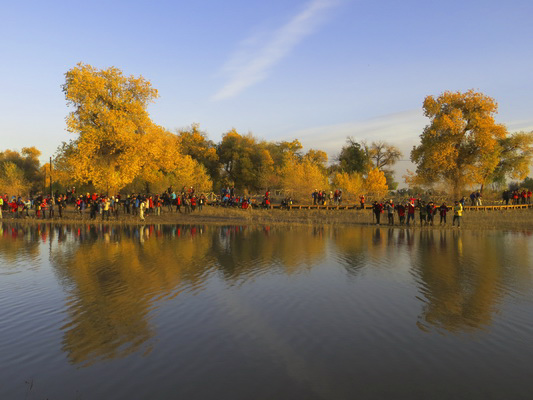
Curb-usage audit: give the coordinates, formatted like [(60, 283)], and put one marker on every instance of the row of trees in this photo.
[(118, 147), (253, 165), (21, 172)]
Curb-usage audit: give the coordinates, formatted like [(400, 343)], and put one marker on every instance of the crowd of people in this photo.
[(186, 201), (102, 206), (517, 197), (427, 212), (229, 198), (322, 197)]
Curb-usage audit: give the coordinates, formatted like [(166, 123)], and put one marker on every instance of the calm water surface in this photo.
[(204, 312)]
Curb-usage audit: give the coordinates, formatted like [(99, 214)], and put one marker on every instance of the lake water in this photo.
[(236, 312)]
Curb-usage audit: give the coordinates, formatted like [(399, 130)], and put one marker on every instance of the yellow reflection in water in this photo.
[(464, 276), (115, 276)]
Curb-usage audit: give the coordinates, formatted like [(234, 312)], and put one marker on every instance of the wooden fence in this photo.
[(368, 207)]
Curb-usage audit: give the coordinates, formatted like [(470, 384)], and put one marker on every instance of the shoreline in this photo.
[(511, 220)]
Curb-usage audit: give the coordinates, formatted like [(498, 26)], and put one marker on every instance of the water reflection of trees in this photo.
[(115, 275), (462, 276), (244, 251)]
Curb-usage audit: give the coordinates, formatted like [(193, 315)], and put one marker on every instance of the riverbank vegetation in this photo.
[(116, 147), (507, 219)]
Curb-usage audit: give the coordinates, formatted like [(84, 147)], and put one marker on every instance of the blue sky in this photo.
[(317, 70)]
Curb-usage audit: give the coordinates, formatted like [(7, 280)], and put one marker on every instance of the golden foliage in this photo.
[(463, 144), (12, 179), (350, 183), (302, 177), (376, 183), (27, 163), (117, 141)]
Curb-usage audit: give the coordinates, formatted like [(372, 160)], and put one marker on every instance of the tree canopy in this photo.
[(20, 170), (116, 146), (117, 143), (463, 145)]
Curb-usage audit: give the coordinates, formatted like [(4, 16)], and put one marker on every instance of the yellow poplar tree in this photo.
[(376, 183), (350, 183), (110, 118), (463, 144), (117, 141), (302, 177), (12, 179)]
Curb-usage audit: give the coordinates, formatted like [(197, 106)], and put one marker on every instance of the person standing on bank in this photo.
[(390, 211), (457, 213), (377, 208), (411, 212), (443, 210)]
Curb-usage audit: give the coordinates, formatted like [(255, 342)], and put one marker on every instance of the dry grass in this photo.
[(518, 219)]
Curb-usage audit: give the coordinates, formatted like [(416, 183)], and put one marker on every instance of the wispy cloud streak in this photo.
[(250, 66)]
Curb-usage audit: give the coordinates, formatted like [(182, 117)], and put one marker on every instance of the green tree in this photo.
[(247, 162), (353, 157)]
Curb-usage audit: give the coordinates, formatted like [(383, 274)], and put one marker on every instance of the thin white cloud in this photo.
[(251, 64), (398, 128), (520, 125)]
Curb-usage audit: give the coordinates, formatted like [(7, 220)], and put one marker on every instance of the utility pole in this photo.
[(50, 177)]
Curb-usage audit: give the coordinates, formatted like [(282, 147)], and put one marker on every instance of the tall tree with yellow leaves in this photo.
[(300, 177), (12, 180), (351, 183), (117, 141), (462, 145), (111, 121), (376, 183)]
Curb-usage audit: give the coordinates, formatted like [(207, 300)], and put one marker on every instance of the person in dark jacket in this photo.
[(377, 208)]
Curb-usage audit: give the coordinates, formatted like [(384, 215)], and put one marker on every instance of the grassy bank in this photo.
[(506, 220)]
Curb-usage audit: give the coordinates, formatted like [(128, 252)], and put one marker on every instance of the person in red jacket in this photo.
[(400, 208), (411, 212)]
